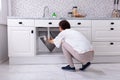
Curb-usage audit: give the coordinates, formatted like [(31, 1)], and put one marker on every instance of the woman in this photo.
[(74, 45)]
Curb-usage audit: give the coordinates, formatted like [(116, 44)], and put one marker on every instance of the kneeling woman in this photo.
[(74, 45)]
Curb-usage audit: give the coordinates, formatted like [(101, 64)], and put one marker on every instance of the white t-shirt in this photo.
[(75, 39)]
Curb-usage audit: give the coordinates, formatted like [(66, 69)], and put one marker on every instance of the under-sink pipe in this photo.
[(48, 32)]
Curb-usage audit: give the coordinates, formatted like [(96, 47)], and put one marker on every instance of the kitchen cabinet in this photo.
[(106, 37), (21, 38), (26, 44)]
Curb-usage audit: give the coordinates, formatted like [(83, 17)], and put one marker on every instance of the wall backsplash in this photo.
[(34, 8)]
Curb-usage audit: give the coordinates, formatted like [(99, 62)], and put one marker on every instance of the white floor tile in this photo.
[(54, 72), (96, 72)]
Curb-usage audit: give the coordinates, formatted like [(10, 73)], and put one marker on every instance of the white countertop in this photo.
[(86, 18)]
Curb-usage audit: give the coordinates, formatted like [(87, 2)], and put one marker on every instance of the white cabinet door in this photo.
[(21, 41)]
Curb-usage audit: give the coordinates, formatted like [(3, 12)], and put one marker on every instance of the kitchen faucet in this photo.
[(46, 12)]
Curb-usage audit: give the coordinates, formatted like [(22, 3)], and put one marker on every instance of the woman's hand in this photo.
[(51, 41)]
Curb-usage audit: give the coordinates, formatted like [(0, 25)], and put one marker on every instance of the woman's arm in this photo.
[(57, 40)]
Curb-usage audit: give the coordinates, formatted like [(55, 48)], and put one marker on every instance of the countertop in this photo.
[(67, 18)]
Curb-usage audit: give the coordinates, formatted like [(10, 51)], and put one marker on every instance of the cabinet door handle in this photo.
[(79, 23), (111, 43), (111, 28), (20, 22), (112, 23), (50, 23), (32, 31)]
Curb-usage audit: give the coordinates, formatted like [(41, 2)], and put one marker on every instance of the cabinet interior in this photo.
[(42, 45)]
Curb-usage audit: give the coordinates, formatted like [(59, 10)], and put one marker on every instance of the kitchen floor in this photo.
[(54, 72)]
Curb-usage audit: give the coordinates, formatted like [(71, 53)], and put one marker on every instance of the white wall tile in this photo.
[(34, 8)]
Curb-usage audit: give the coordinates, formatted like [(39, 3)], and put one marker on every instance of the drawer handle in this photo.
[(111, 43), (111, 28), (32, 31), (50, 23), (79, 23), (20, 22), (112, 23)]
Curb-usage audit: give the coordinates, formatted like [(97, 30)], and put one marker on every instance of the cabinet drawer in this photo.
[(80, 23), (104, 23), (47, 23), (106, 48), (106, 35), (111, 28), (20, 22)]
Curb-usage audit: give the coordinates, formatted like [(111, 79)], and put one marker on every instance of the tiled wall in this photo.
[(34, 8)]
